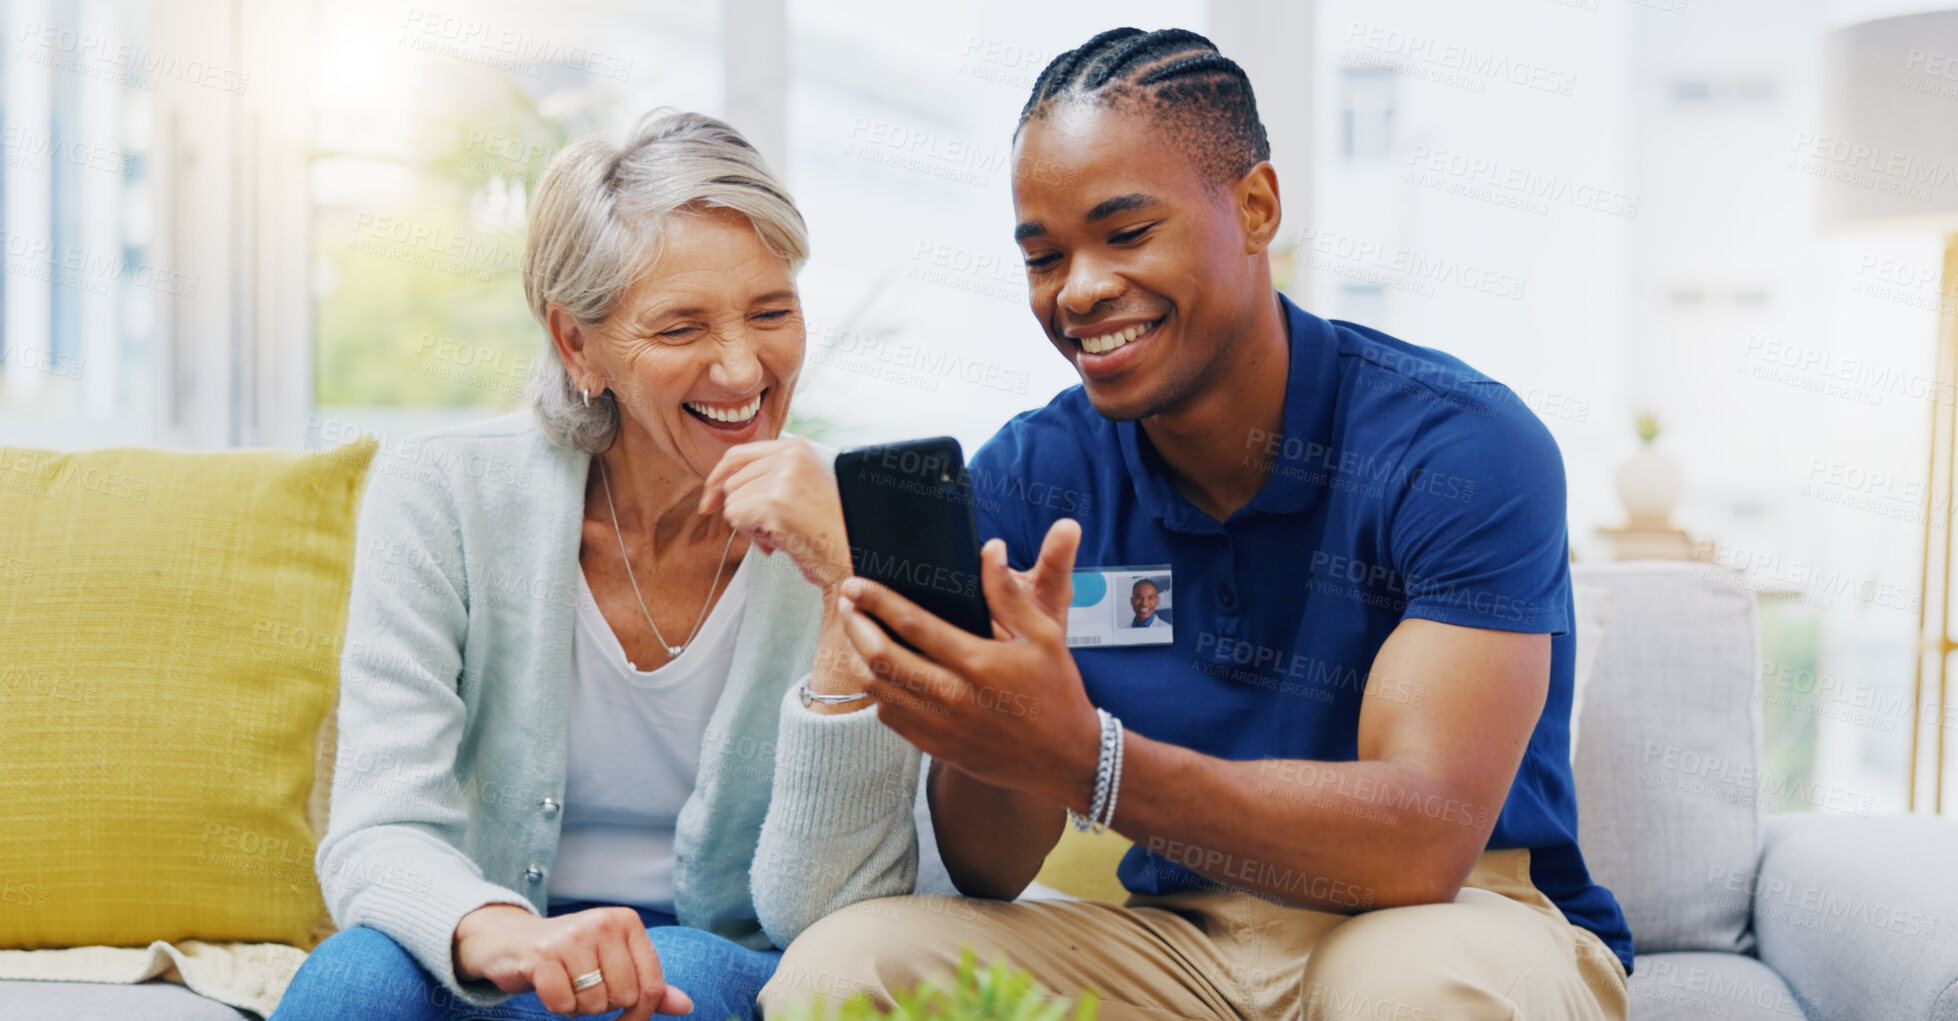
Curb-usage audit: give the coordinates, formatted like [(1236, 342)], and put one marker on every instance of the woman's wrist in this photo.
[(474, 923), (837, 669)]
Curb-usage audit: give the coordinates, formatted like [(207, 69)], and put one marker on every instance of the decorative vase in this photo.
[(1650, 485)]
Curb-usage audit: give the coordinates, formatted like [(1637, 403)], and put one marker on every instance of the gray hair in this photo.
[(595, 225)]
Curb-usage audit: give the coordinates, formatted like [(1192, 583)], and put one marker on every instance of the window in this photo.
[(1366, 112), (418, 207), (1711, 92), (1697, 299), (149, 180), (75, 340), (1365, 304)]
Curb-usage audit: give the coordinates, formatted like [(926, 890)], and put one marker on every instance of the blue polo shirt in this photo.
[(1402, 484)]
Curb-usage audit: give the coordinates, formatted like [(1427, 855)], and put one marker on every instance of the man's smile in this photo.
[(1105, 348)]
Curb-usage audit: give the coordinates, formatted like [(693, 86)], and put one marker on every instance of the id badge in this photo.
[(1121, 606)]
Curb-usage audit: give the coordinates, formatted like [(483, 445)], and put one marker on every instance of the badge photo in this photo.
[(1122, 606)]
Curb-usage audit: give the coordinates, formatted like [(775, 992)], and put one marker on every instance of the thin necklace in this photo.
[(672, 651)]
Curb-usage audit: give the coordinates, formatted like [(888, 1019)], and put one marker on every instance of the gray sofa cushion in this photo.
[(1667, 775), (93, 1001), (1703, 986), (1862, 914)]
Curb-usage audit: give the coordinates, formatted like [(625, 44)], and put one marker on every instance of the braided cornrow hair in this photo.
[(1204, 95)]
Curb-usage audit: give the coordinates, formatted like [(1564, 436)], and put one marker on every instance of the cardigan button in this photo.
[(551, 806), (533, 874)]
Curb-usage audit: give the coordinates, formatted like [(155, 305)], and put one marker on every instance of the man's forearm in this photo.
[(1334, 836), (993, 840)]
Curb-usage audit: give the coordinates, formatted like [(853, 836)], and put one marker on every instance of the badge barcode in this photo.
[(1084, 640)]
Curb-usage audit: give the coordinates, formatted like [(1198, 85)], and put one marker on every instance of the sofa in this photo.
[(1825, 914), (1736, 914)]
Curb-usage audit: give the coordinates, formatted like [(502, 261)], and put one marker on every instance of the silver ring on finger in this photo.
[(587, 980)]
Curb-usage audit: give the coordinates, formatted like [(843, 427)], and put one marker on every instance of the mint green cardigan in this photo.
[(449, 776)]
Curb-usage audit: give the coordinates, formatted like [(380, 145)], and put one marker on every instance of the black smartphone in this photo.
[(908, 510)]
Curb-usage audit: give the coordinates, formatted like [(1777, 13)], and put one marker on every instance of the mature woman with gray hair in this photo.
[(593, 757)]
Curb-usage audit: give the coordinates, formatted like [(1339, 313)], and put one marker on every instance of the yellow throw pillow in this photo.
[(1083, 865), (169, 653)]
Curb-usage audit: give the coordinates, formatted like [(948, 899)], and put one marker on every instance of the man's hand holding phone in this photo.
[(1010, 711)]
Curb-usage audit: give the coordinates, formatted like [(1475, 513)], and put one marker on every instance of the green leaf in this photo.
[(998, 992)]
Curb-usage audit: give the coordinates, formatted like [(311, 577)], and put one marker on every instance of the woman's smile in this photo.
[(729, 420)]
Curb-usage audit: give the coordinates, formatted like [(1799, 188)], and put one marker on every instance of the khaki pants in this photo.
[(1500, 950)]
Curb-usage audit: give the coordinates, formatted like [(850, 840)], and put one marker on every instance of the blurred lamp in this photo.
[(1886, 159)]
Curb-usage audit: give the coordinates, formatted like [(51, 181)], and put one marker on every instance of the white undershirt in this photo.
[(635, 753)]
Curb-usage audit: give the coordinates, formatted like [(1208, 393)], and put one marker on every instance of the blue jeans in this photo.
[(361, 974)]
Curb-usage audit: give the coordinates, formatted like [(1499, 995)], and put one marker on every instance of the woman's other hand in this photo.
[(519, 953), (781, 494)]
